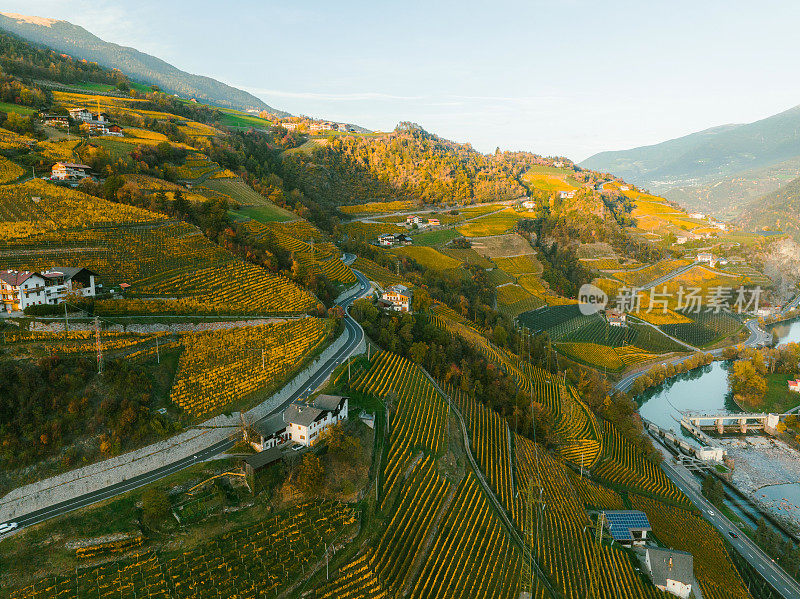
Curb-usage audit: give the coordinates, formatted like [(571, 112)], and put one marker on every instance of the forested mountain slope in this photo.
[(744, 157), (76, 41)]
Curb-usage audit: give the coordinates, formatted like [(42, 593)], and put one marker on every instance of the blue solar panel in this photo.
[(620, 524)]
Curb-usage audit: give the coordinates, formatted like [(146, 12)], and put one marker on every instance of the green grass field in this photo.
[(23, 110), (234, 118), (432, 238), (778, 398)]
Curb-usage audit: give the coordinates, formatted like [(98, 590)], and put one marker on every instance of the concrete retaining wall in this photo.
[(90, 478)]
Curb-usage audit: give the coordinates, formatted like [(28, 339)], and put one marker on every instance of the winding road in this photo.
[(355, 335)]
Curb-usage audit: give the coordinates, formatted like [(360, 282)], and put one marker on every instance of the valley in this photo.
[(245, 353)]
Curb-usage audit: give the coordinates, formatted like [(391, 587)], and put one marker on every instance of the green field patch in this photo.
[(438, 237), (23, 110)]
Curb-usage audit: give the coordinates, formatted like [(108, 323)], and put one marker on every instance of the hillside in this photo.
[(80, 43), (778, 210), (702, 169)]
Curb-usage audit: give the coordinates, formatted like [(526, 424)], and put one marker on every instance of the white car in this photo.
[(7, 527), (710, 512)]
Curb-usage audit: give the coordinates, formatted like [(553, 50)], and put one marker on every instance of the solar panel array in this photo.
[(620, 523)]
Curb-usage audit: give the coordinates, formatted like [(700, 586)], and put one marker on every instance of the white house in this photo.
[(708, 258), (529, 204), (69, 170), (698, 215), (433, 222), (386, 239), (616, 318), (269, 433), (306, 421), (566, 194), (681, 239), (794, 386), (80, 114), (670, 570), (412, 220), (625, 188), (397, 298), (20, 289)]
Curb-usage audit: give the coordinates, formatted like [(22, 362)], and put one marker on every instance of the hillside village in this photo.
[(283, 356)]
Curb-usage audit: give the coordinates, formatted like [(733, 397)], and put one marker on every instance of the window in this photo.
[(303, 437)]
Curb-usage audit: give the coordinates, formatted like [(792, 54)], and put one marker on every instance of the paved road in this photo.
[(785, 585), (355, 335), (757, 338)]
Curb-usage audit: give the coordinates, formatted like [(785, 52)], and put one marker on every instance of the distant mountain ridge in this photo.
[(80, 43), (718, 170)]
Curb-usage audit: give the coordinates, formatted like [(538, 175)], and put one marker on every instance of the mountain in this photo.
[(79, 43), (779, 210), (719, 170)]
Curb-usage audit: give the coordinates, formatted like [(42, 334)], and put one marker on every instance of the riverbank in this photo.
[(767, 470)]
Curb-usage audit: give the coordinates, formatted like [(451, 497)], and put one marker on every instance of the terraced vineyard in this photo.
[(705, 328), (367, 231), (376, 272), (621, 466), (218, 368), (255, 561), (378, 207), (687, 531), (563, 538), (300, 241), (489, 438), (471, 555), (168, 260), (418, 412)]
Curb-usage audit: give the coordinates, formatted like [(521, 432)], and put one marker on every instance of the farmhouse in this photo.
[(670, 570), (402, 239), (708, 258), (55, 120), (397, 298), (433, 222), (305, 421), (529, 204), (390, 239), (566, 194), (386, 239), (269, 433), (18, 290), (65, 171), (794, 385), (616, 318), (80, 114), (412, 219), (627, 527)]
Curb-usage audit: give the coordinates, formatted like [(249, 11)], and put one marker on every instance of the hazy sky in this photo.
[(560, 77)]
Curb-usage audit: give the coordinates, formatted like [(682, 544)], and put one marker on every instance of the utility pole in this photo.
[(66, 321), (326, 562), (158, 352), (99, 345), (348, 368)]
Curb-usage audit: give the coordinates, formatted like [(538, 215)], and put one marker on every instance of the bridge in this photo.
[(739, 423)]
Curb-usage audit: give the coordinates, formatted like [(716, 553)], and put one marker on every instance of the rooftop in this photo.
[(670, 564), (301, 413), (262, 458), (621, 522), (328, 402), (271, 425)]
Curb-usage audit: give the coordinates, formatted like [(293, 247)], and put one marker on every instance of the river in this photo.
[(788, 332), (765, 468)]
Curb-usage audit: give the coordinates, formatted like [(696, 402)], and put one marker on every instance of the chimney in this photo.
[(670, 563)]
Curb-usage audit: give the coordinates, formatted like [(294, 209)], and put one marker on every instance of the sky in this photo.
[(565, 77)]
